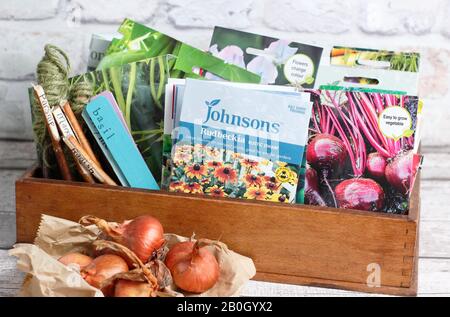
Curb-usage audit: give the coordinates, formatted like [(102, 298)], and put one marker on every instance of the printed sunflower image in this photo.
[(216, 172), (225, 174), (216, 191), (195, 171)]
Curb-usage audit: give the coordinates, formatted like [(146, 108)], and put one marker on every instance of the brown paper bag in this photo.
[(56, 237)]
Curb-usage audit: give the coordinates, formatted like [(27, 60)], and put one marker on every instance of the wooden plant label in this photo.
[(46, 109), (63, 124), (82, 157)]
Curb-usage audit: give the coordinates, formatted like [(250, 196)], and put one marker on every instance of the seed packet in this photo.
[(97, 48), (371, 70), (173, 105), (379, 84), (237, 142), (138, 42), (279, 62), (361, 152)]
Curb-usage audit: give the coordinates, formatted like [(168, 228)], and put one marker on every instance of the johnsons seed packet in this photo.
[(239, 143)]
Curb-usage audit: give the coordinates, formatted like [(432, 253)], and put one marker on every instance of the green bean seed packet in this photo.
[(139, 42)]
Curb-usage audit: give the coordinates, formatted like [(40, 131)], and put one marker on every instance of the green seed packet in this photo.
[(140, 42)]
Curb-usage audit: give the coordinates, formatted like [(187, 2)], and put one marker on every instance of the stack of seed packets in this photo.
[(237, 140)]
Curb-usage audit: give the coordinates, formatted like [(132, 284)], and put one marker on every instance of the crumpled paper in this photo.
[(46, 276)]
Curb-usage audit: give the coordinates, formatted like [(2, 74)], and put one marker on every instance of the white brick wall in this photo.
[(28, 9), (27, 25)]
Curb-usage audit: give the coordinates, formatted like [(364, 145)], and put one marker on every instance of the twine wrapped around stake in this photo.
[(53, 75)]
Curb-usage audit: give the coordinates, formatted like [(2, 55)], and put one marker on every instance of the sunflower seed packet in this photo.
[(236, 142)]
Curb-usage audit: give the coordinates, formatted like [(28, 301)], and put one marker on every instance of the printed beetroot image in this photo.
[(361, 151)]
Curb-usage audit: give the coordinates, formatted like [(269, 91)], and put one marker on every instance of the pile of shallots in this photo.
[(132, 260)]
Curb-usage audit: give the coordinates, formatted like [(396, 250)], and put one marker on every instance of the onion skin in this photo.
[(126, 288), (312, 194), (325, 152), (102, 268), (142, 235), (376, 165), (399, 172), (194, 269), (360, 193), (76, 258)]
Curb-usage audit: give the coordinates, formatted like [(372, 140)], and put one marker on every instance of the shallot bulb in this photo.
[(142, 235), (194, 269), (126, 288), (130, 257), (76, 258), (102, 268)]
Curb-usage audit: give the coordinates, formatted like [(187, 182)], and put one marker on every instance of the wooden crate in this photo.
[(294, 244)]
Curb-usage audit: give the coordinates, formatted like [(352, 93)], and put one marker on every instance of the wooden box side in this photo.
[(297, 244)]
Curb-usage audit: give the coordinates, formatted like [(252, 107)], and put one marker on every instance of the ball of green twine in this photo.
[(52, 74)]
